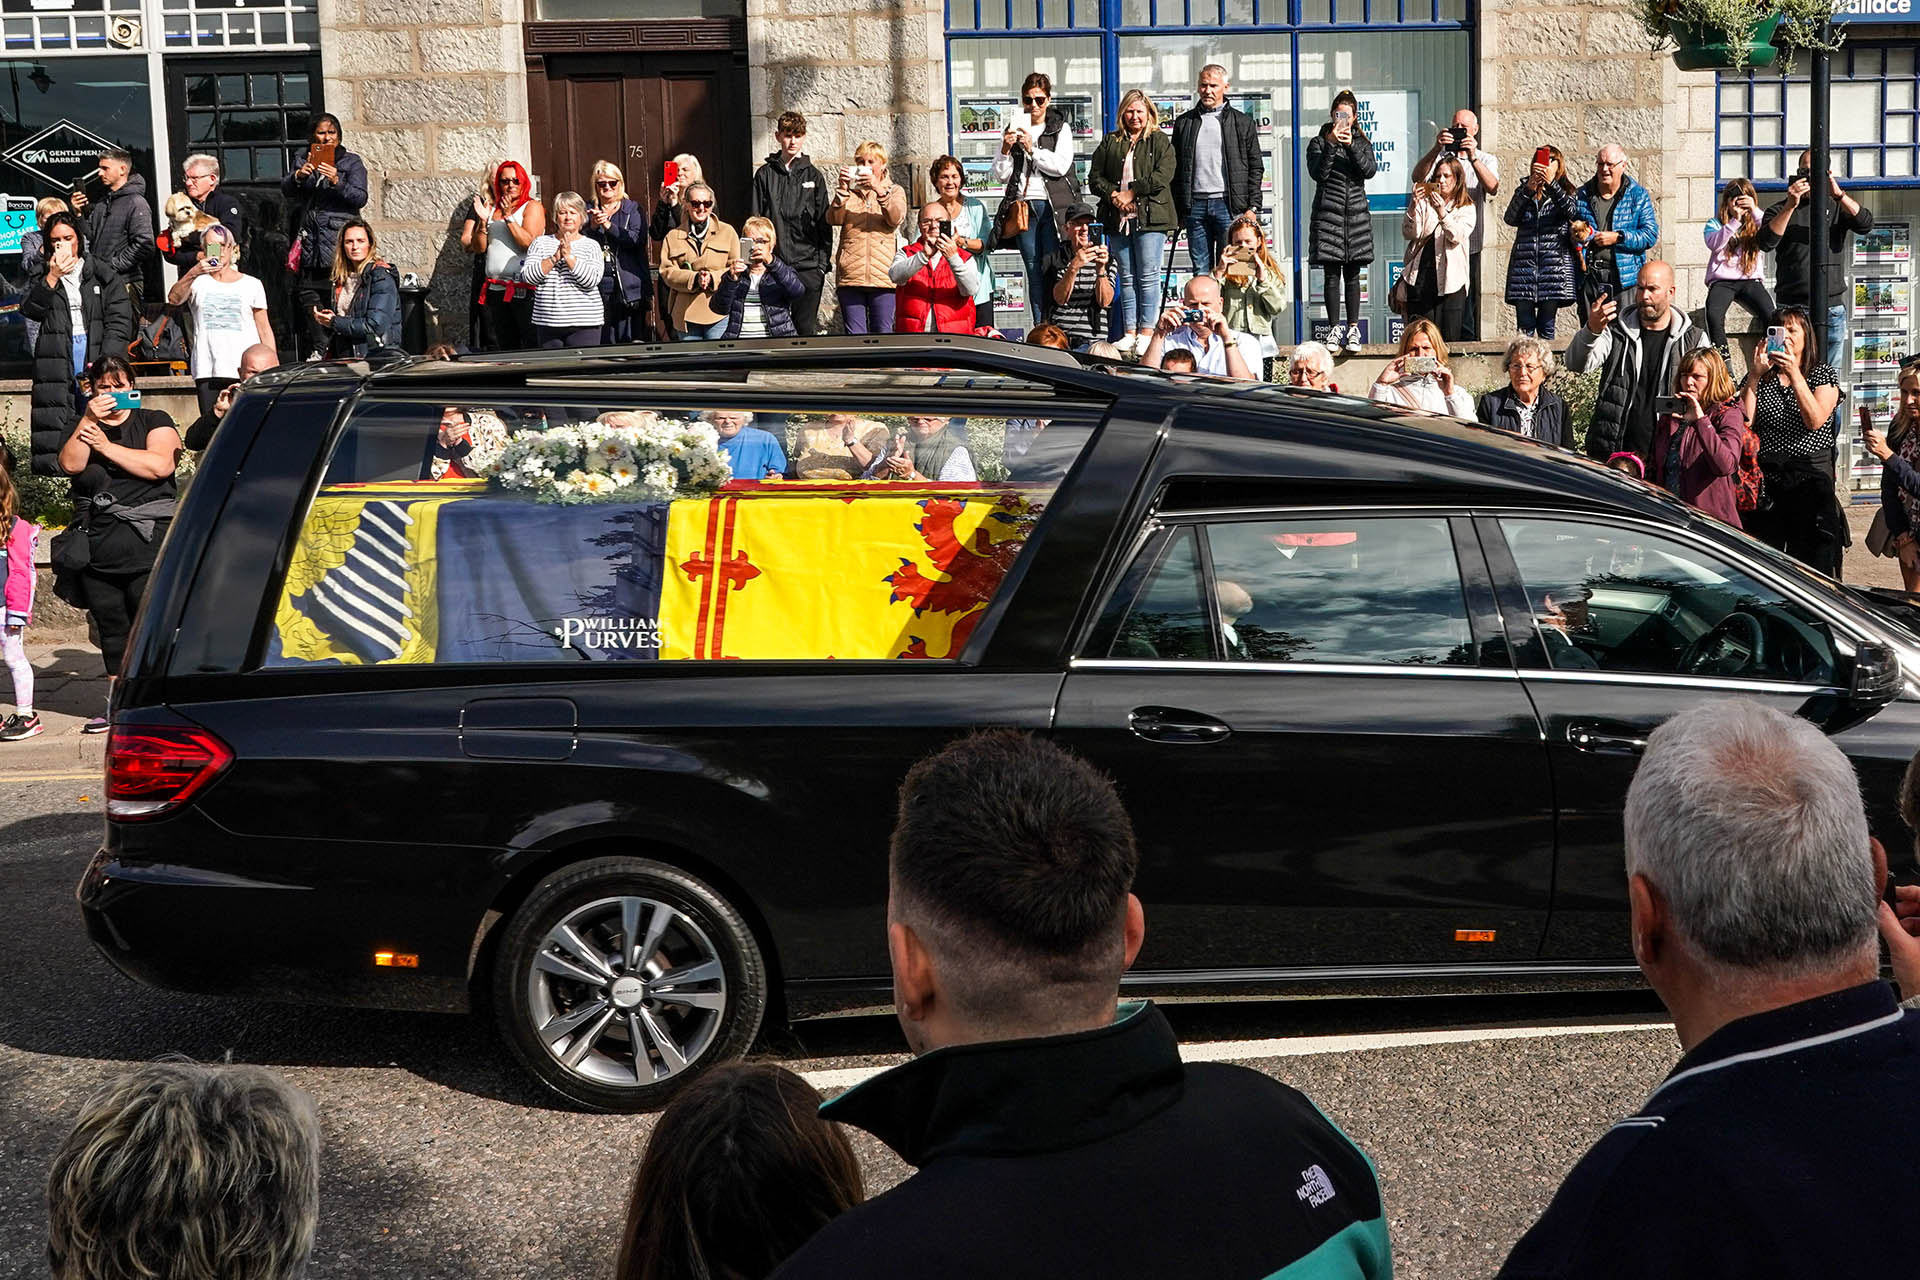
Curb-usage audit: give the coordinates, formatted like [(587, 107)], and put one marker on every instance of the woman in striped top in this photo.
[(565, 269)]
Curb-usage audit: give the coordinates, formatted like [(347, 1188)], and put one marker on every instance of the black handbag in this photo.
[(69, 553), (1416, 292)]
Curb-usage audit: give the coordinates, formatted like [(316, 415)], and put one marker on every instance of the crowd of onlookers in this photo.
[(1042, 1113)]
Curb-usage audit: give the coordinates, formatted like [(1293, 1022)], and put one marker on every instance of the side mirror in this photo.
[(1876, 677)]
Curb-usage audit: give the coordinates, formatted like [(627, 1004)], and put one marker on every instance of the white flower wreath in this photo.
[(631, 457)]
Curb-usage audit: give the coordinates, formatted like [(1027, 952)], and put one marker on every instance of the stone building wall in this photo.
[(430, 95), (1578, 75), (857, 69)]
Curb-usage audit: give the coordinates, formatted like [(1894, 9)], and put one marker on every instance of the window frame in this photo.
[(1530, 654), (1147, 554)]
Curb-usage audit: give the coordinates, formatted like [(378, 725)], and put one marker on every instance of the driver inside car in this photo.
[(1564, 620)]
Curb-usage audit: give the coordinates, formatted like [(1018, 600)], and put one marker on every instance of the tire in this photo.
[(572, 999)]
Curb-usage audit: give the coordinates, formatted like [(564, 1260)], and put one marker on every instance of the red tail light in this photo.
[(154, 769)]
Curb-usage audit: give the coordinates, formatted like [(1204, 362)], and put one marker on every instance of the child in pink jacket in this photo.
[(1735, 268), (16, 607)]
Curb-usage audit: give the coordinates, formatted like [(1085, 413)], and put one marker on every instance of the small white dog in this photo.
[(183, 218)]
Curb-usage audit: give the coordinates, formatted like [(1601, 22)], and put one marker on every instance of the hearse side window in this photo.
[(1620, 599), (491, 530), (1361, 589)]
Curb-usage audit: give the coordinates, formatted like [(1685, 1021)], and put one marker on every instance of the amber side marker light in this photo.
[(1473, 935), (395, 960)]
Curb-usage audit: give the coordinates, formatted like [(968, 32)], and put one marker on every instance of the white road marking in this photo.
[(1302, 1046)]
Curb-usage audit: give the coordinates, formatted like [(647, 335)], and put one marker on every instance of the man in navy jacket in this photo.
[(1781, 1144), (1041, 1119)]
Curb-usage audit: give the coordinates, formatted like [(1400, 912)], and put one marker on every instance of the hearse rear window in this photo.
[(488, 531)]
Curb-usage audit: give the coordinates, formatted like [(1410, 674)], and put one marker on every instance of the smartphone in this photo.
[(1192, 315), (1543, 156), (1664, 405), (1417, 365), (213, 262), (670, 174), (946, 228), (322, 153), (1096, 237), (1343, 116), (1776, 340), (862, 172), (1802, 175), (125, 399)]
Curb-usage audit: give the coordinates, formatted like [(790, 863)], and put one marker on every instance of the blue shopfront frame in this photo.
[(1106, 20)]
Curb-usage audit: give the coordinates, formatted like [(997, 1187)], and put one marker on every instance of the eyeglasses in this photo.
[(1610, 164), (1526, 366), (509, 182), (1034, 99)]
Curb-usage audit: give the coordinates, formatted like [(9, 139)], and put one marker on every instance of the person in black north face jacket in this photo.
[(105, 328), (790, 192), (1039, 1120)]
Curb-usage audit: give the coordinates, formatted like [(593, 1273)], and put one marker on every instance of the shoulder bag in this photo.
[(1415, 292)]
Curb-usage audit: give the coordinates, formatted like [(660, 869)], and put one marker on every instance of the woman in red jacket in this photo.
[(1696, 448), (934, 279)]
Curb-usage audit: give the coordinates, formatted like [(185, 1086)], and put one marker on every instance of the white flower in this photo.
[(598, 485), (623, 473)]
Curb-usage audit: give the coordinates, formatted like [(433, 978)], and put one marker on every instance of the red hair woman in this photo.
[(504, 220)]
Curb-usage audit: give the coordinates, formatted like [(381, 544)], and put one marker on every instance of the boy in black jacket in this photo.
[(793, 194), (1041, 1119)]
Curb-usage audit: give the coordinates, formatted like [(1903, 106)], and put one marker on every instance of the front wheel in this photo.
[(619, 979)]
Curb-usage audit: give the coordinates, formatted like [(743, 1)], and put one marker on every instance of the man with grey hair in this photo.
[(1311, 366), (1781, 1143), (200, 178), (1615, 223), (177, 1171)]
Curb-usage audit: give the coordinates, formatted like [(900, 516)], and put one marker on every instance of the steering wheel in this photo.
[(1734, 646)]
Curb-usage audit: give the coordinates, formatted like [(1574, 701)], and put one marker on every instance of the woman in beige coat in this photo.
[(693, 261), (1444, 210), (868, 209)]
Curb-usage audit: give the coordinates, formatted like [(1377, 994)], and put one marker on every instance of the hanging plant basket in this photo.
[(1703, 48)]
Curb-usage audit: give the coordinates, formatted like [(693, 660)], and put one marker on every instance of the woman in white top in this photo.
[(229, 311), (969, 218), (1419, 377), (1035, 154), (1444, 210), (565, 270), (504, 220)]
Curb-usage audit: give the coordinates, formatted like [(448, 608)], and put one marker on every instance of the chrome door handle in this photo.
[(1171, 724), (1589, 737)]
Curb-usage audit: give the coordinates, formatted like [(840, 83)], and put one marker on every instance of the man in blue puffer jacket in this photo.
[(1617, 224)]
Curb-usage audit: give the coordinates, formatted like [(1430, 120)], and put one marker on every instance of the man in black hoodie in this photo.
[(1040, 1115), (1787, 227), (793, 194), (120, 223)]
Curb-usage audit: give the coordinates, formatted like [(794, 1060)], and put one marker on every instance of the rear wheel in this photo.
[(619, 979)]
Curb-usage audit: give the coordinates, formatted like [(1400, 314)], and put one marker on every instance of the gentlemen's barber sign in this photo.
[(62, 154)]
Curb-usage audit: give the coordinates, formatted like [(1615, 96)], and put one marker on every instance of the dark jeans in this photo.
[(1342, 281), (506, 326), (1721, 294), (1449, 313), (552, 338), (623, 318), (113, 599), (311, 289), (1039, 242), (806, 312), (1802, 517), (1535, 319), (1207, 221), (207, 390), (1470, 322)]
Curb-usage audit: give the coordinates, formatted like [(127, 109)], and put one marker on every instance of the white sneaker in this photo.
[(1335, 336), (1353, 339), (1125, 345)]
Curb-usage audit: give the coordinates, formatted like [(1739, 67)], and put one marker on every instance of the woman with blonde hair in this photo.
[(564, 267), (1696, 448), (617, 224), (1442, 213), (1735, 270), (365, 319), (1420, 377), (693, 261), (1131, 175), (760, 291), (868, 207), (669, 214)]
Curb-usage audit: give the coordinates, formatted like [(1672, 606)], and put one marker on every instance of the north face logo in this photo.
[(1315, 1187)]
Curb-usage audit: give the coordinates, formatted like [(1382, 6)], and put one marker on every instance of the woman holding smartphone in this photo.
[(121, 458), (328, 190), (1036, 163), (1899, 454), (1420, 376), (970, 222), (1790, 400), (1442, 211), (84, 313), (1696, 447), (1540, 275), (868, 207), (1340, 239), (229, 310)]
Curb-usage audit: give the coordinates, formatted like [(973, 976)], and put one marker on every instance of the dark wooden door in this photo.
[(640, 111)]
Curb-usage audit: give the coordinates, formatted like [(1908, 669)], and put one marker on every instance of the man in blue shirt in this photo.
[(754, 454), (1781, 1144)]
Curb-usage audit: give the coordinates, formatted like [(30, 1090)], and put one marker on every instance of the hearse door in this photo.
[(1327, 755)]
